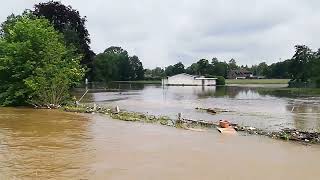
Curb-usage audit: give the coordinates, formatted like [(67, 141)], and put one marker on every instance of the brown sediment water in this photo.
[(46, 144)]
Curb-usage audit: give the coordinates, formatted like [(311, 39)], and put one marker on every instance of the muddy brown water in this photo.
[(46, 144)]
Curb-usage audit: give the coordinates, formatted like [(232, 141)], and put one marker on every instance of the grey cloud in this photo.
[(165, 32)]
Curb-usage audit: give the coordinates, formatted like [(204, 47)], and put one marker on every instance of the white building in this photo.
[(189, 80)]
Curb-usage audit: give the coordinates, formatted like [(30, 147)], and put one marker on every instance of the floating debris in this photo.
[(213, 110)]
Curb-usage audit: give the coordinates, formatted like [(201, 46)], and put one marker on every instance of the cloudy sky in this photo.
[(163, 32)]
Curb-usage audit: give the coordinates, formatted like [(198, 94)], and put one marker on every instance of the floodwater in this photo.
[(48, 144), (247, 106)]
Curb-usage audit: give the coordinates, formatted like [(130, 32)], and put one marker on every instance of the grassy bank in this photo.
[(257, 81), (139, 82), (290, 91)]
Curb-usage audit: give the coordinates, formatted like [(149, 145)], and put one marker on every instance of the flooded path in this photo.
[(43, 144)]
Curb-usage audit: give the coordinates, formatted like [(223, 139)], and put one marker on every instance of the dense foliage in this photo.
[(114, 64), (68, 21), (36, 67), (303, 67)]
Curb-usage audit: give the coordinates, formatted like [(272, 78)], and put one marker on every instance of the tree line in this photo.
[(44, 52), (303, 67)]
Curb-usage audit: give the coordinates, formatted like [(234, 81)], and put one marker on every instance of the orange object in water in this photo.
[(224, 123)]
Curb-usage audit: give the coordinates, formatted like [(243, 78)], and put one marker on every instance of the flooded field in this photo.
[(50, 144), (246, 105), (46, 144)]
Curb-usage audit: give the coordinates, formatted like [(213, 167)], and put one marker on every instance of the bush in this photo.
[(220, 79), (36, 67)]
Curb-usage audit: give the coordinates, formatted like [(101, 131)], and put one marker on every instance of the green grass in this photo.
[(257, 81), (140, 82), (290, 91)]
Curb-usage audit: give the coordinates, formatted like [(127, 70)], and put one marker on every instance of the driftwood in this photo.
[(213, 110)]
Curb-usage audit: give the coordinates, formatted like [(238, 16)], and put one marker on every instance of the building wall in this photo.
[(183, 79), (210, 82)]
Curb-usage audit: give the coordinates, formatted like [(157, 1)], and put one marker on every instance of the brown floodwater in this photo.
[(48, 144)]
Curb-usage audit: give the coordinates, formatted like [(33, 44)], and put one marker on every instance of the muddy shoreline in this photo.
[(304, 137)]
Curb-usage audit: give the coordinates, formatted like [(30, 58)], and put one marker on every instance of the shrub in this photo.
[(36, 67)]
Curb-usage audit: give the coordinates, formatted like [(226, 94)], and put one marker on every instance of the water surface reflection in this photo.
[(248, 106)]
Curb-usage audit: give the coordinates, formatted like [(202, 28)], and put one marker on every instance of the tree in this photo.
[(262, 69), (114, 64), (35, 65), (116, 50), (299, 63), (169, 71), (193, 69), (106, 68), (154, 74), (158, 72), (68, 21), (219, 68), (233, 64), (136, 71), (178, 68), (203, 66)]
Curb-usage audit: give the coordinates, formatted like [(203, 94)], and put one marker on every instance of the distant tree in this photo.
[(116, 50), (315, 68), (169, 71), (154, 74), (262, 69), (299, 63), (203, 66), (279, 70), (114, 64), (68, 21), (193, 69), (158, 72), (219, 68), (106, 68), (136, 71), (233, 64), (178, 68), (36, 67)]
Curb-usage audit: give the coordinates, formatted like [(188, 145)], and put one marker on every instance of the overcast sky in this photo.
[(163, 32)]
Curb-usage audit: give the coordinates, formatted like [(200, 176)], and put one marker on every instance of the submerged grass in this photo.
[(121, 115), (285, 134), (139, 82), (285, 92), (257, 81)]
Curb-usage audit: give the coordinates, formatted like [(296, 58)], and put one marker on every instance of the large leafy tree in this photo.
[(178, 68), (203, 67), (136, 71), (219, 68), (169, 71), (233, 64), (115, 64), (106, 67), (35, 65), (68, 21), (193, 69), (299, 68)]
